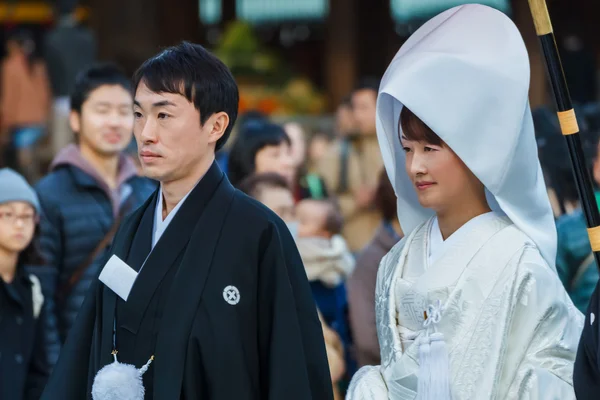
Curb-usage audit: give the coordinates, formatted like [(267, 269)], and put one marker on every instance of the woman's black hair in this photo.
[(414, 129), (252, 137)]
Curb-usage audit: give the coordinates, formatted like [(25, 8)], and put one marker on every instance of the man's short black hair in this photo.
[(192, 71), (91, 78)]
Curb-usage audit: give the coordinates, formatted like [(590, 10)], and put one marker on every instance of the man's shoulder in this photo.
[(55, 184)]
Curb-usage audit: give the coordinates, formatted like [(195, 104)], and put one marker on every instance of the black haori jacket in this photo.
[(222, 302), (586, 373)]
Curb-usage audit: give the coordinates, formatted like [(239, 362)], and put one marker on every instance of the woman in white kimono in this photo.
[(468, 304)]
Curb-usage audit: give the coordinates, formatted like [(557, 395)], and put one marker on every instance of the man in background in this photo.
[(352, 168)]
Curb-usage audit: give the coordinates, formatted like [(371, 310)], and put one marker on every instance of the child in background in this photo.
[(324, 251), (23, 367), (328, 263), (273, 191)]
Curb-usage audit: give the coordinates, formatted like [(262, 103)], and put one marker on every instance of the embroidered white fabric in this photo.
[(507, 337)]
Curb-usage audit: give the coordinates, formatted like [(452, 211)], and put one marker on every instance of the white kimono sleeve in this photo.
[(543, 335)]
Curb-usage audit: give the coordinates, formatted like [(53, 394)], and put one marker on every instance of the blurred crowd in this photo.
[(71, 174)]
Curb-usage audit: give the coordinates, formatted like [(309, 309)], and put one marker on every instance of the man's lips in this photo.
[(146, 153), (147, 156), (113, 137)]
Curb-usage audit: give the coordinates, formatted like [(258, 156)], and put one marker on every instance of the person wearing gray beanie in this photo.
[(13, 187), (23, 366)]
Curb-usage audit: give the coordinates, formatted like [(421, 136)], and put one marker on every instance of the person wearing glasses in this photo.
[(23, 367)]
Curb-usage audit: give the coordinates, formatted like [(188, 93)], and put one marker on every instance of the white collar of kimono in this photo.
[(160, 225), (465, 73), (437, 244)]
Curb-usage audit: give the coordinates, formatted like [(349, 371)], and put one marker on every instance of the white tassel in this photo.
[(117, 381), (434, 366), (438, 358), (424, 377)]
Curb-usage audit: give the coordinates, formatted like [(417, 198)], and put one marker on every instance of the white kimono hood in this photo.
[(465, 73)]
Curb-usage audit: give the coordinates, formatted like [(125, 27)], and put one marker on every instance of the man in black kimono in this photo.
[(221, 299), (586, 372)]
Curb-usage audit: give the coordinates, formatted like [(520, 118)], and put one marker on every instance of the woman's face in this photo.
[(277, 159), (440, 178), (17, 225)]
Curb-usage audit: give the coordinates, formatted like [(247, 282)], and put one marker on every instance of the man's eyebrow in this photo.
[(161, 103)]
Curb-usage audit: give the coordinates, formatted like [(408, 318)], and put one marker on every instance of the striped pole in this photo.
[(568, 122)]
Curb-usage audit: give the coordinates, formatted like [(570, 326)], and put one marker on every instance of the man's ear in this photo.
[(75, 121), (218, 125)]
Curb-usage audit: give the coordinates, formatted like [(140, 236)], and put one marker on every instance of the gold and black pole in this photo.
[(568, 122)]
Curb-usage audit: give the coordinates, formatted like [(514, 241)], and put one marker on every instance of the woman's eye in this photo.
[(406, 149), (137, 114), (429, 149)]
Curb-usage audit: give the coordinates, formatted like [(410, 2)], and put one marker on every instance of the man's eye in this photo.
[(406, 149), (137, 114), (429, 149), (163, 116)]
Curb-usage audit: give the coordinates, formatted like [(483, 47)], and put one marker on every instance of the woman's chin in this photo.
[(428, 202)]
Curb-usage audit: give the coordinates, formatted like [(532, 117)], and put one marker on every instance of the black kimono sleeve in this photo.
[(293, 360), (586, 372)]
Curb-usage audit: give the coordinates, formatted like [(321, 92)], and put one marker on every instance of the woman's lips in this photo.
[(424, 185)]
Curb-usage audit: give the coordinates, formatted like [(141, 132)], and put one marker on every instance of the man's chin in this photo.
[(154, 173)]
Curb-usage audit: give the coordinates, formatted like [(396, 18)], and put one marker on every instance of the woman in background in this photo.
[(361, 284), (260, 147), (307, 183)]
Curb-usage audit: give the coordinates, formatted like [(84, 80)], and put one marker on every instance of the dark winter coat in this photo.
[(361, 295), (23, 363)]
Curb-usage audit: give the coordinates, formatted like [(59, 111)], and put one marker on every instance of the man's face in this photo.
[(172, 144), (106, 120), (364, 103)]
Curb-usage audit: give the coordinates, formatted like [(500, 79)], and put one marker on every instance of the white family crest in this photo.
[(231, 294)]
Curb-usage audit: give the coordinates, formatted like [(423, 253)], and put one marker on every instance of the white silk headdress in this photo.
[(465, 73)]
